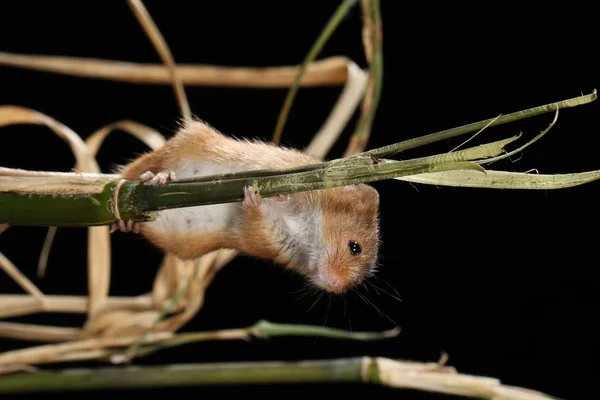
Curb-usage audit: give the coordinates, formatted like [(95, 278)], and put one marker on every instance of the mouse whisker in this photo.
[(348, 317), (316, 301), (327, 313), (385, 291), (374, 287), (370, 303), (390, 286), (304, 292)]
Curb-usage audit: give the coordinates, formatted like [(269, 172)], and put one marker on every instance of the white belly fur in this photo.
[(194, 220)]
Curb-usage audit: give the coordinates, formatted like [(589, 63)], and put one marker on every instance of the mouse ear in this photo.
[(369, 192)]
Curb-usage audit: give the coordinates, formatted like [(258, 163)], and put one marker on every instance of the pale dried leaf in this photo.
[(503, 180)]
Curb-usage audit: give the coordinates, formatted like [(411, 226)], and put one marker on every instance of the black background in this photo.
[(503, 281)]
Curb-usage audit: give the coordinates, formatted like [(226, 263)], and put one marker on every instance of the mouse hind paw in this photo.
[(121, 225), (251, 198)]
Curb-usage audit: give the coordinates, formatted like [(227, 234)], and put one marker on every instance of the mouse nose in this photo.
[(335, 285)]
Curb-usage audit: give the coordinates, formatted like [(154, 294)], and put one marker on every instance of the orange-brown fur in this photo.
[(345, 221), (347, 213), (200, 141)]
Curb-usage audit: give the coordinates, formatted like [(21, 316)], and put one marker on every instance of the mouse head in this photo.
[(349, 238)]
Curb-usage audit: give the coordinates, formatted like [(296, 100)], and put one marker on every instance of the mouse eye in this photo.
[(355, 247)]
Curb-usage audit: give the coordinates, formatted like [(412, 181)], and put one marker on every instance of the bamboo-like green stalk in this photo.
[(429, 377), (57, 210), (137, 201), (184, 375)]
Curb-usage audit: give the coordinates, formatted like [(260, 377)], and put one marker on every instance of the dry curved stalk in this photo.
[(12, 271), (14, 305), (51, 353), (16, 115), (330, 71), (147, 135), (343, 110), (44, 333), (162, 49)]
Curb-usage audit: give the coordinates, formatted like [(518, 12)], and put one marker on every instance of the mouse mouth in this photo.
[(332, 280)]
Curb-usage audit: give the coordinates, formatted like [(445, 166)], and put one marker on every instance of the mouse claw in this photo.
[(251, 198), (129, 226), (159, 179)]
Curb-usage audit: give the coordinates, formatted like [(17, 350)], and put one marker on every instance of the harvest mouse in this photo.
[(328, 236)]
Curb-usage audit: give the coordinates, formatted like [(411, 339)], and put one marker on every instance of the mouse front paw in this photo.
[(159, 179), (251, 198), (121, 225)]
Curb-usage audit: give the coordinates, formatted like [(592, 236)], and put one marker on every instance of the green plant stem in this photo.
[(387, 151), (376, 70), (331, 26), (397, 374), (57, 210), (264, 329), (139, 202), (184, 375)]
